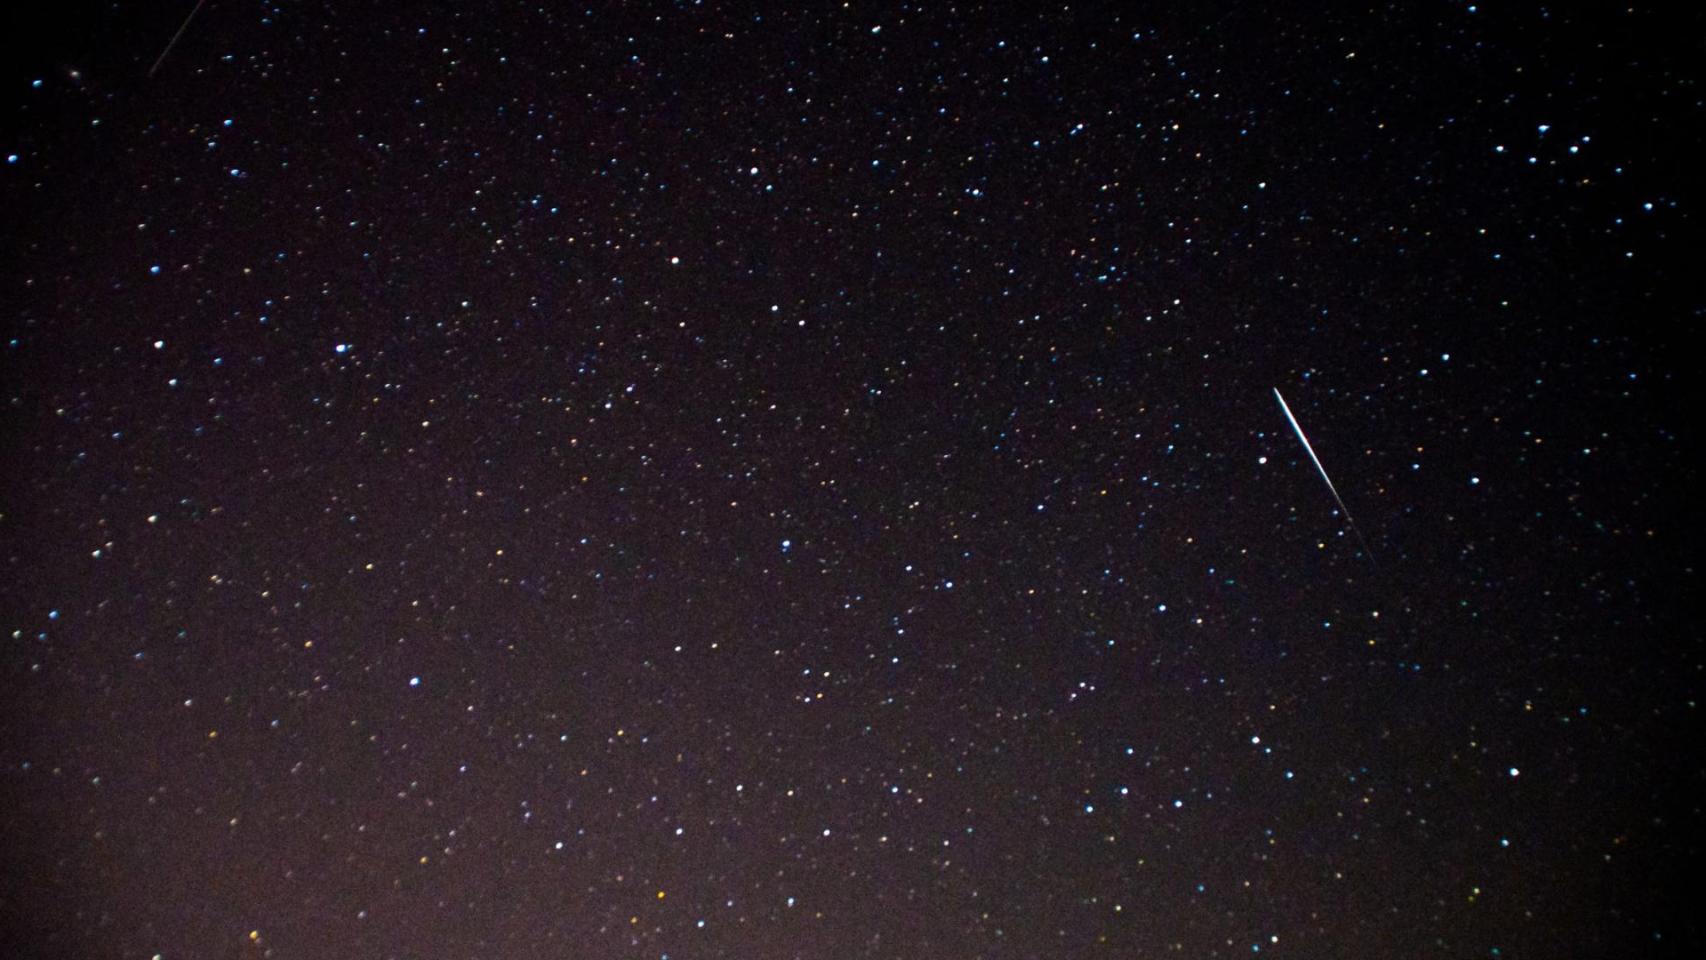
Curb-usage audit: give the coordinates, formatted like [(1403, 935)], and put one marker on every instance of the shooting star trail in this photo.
[(1310, 449), (174, 41)]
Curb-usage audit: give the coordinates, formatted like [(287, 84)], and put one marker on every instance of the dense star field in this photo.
[(514, 480)]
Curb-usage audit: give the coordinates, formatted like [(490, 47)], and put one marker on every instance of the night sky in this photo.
[(513, 480)]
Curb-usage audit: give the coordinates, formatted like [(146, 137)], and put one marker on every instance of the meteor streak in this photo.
[(174, 41), (1310, 449)]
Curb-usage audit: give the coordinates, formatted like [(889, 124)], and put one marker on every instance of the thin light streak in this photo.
[(174, 41), (1310, 449)]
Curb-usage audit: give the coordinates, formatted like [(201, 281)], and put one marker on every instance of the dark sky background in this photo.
[(515, 480)]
